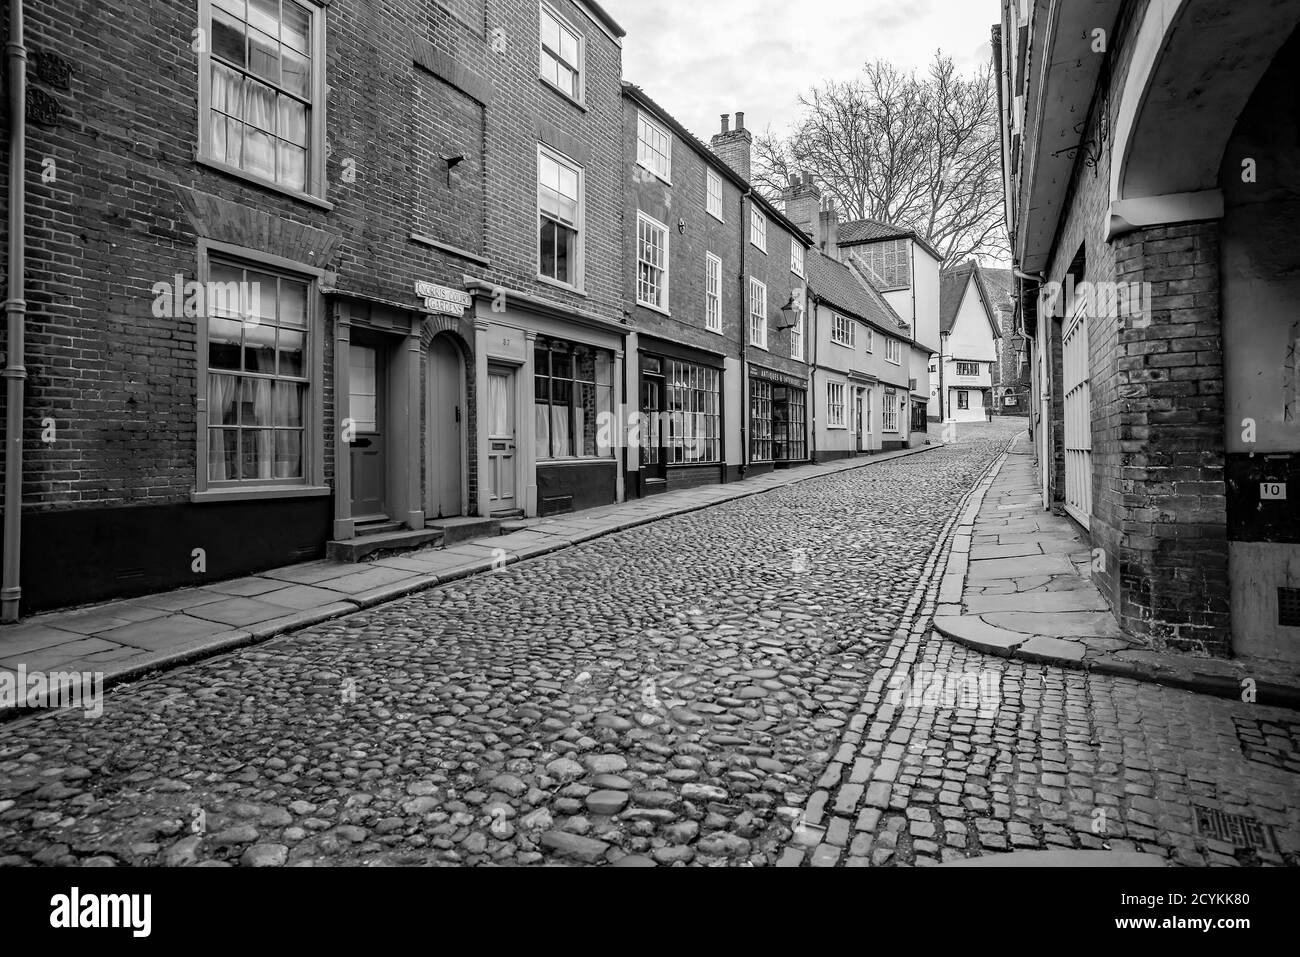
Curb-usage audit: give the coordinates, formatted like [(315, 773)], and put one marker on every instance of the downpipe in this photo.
[(15, 373)]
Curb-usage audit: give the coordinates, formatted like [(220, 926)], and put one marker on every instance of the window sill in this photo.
[(761, 249), (843, 345), (258, 493), (449, 249), (562, 94), (264, 184), (716, 332), (556, 284), (659, 309), (655, 173), (755, 345), (716, 216)]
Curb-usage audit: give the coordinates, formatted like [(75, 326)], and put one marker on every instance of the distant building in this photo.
[(970, 340)]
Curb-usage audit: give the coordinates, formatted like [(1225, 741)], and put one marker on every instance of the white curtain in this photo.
[(222, 391)]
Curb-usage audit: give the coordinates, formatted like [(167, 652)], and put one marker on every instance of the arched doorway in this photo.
[(447, 430)]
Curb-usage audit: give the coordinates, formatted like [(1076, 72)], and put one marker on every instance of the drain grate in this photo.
[(1288, 607), (1235, 829), (1275, 743)]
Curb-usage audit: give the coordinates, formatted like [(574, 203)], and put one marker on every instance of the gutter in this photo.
[(15, 373)]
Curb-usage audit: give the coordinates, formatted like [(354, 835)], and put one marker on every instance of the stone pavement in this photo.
[(127, 638), (1018, 583)]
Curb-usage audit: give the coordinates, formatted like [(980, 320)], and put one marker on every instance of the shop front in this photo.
[(681, 418), (550, 386), (778, 420)]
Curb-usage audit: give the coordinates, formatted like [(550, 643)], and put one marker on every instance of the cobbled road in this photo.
[(697, 691)]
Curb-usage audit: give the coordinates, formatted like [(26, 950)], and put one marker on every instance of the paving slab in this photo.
[(1052, 650), (1020, 567), (1080, 599), (975, 633), (1065, 624), (238, 611), (161, 632)]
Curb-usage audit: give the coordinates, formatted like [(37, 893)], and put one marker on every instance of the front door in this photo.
[(367, 412), (502, 440), (445, 430), (1077, 388), (859, 411), (654, 456)]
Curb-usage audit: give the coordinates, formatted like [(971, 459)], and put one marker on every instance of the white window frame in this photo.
[(667, 262), (545, 9), (796, 337), (758, 312), (580, 249), (834, 420), (889, 412), (644, 148), (712, 197), (968, 375), (317, 121), (313, 483), (798, 258), (893, 352), (758, 228), (713, 293), (843, 331)]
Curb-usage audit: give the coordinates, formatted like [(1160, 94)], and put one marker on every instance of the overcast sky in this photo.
[(702, 58)]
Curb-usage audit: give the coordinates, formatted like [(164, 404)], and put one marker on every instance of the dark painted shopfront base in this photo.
[(573, 488), (83, 556)]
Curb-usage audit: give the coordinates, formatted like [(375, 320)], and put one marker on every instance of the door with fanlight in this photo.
[(503, 441)]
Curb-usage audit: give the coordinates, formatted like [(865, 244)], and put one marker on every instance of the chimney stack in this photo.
[(802, 201), (734, 147), (829, 237)]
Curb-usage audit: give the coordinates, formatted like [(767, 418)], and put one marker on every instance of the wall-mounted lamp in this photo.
[(681, 225), (452, 162), (790, 314)]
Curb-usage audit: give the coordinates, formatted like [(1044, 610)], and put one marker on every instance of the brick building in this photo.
[(715, 287), (1150, 154), (300, 272)]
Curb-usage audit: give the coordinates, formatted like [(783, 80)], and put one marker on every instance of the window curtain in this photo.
[(222, 410), (288, 412)]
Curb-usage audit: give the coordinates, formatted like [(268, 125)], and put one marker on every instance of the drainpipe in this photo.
[(15, 373), (816, 302), (744, 337)]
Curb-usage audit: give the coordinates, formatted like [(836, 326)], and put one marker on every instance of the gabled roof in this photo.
[(953, 284), (839, 286), (863, 231), (609, 22)]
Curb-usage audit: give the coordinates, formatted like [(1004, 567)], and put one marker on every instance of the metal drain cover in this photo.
[(1235, 829)]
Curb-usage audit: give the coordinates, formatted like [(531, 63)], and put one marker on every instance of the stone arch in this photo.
[(460, 330), (1194, 66)]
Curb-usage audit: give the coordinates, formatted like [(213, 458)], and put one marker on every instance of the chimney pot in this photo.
[(740, 121), (726, 122)]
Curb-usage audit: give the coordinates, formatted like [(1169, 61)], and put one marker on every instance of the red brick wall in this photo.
[(122, 383), (683, 200), (1174, 564)]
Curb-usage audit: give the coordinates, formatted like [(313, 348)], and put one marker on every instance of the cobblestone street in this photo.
[(722, 687)]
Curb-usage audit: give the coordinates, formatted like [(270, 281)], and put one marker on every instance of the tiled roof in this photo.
[(873, 230), (840, 286), (952, 292)]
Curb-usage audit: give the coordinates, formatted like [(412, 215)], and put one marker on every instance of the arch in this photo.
[(1194, 66), (460, 330)]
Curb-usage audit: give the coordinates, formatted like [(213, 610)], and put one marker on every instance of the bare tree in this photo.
[(922, 153)]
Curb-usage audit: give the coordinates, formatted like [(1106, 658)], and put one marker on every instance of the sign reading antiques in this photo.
[(443, 300)]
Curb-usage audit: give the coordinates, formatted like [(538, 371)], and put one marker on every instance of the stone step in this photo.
[(358, 549), (457, 530)]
